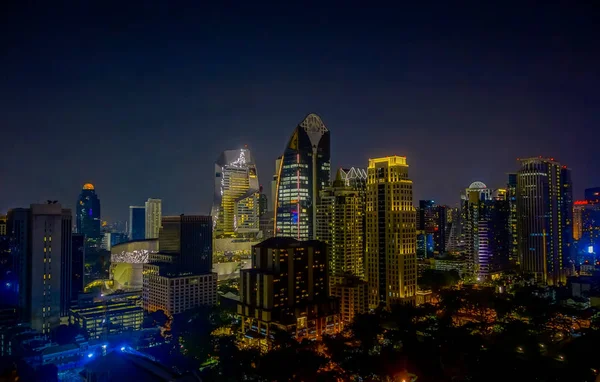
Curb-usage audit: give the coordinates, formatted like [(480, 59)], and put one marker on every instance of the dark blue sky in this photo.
[(141, 99)]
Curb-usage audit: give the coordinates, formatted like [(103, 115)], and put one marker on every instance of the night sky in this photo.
[(141, 99)]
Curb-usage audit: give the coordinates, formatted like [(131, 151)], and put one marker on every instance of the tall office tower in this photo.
[(431, 220), (340, 224), (390, 235), (304, 171), (236, 206), (487, 230), (586, 225), (274, 182), (189, 238), (453, 230), (263, 203), (42, 233), (137, 223), (544, 219), (153, 218), (88, 213), (511, 189), (286, 288), (78, 267)]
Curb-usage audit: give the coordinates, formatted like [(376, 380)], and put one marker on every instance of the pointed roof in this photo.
[(314, 127)]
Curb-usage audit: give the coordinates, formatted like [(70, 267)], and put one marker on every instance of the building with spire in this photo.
[(236, 207), (304, 171)]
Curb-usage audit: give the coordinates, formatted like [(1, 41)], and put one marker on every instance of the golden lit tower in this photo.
[(391, 259)]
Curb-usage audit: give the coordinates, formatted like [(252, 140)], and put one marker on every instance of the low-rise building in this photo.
[(108, 317), (352, 293)]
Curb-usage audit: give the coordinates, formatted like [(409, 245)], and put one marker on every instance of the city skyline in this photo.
[(468, 100)]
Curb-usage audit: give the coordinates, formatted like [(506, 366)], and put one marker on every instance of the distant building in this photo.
[(391, 235), (286, 288), (87, 214), (107, 317), (267, 226), (487, 230), (431, 220), (303, 173), (511, 189), (43, 233), (544, 219), (153, 218), (586, 225), (113, 238), (274, 182), (78, 265), (137, 222), (263, 203), (236, 202)]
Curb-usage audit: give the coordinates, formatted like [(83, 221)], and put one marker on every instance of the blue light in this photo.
[(590, 249), (123, 348), (90, 355)]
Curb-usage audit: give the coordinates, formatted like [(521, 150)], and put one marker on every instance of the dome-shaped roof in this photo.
[(477, 185), (88, 186)]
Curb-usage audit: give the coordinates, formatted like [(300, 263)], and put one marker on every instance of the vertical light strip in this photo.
[(298, 189)]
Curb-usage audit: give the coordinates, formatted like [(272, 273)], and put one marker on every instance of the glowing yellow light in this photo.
[(88, 186)]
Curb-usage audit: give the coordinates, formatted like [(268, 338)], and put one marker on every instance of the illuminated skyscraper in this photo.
[(88, 213), (512, 203), (236, 208), (304, 171), (340, 224), (431, 221), (153, 218), (544, 218), (391, 259)]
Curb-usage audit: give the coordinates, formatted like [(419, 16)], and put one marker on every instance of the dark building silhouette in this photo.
[(287, 288), (88, 213), (78, 265), (189, 238), (137, 223), (303, 173)]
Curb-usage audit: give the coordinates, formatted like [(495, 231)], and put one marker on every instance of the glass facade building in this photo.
[(137, 222), (304, 171), (88, 213), (544, 219)]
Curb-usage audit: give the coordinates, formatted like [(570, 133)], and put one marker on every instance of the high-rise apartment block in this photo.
[(304, 171), (544, 219), (153, 218), (487, 230), (390, 234), (137, 223), (189, 238), (286, 288), (340, 224), (586, 225), (43, 242)]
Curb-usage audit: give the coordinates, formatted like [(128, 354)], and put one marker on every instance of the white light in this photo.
[(90, 355), (123, 348), (590, 249)]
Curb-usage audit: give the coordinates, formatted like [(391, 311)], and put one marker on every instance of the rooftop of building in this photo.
[(286, 242), (133, 367)]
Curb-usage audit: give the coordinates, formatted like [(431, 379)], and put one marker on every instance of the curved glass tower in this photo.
[(235, 208), (304, 171), (88, 212)]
